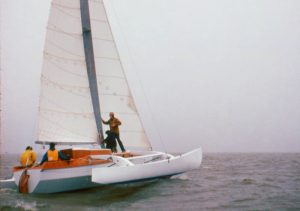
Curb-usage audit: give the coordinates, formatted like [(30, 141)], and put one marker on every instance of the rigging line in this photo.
[(142, 87)]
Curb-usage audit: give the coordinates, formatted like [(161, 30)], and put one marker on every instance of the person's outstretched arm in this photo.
[(45, 158)]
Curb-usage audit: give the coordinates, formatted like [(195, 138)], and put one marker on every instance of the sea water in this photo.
[(239, 181)]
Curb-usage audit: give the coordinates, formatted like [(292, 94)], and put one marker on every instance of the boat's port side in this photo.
[(78, 157)]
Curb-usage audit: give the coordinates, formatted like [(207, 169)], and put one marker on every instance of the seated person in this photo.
[(110, 141), (28, 157), (52, 155)]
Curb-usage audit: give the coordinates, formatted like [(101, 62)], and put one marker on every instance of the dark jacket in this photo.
[(110, 141)]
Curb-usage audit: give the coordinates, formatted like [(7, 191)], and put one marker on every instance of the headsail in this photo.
[(114, 92), (66, 112)]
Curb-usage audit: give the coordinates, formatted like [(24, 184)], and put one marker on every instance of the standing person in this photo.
[(28, 157), (53, 154), (114, 123)]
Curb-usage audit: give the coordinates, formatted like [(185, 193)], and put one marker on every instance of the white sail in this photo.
[(114, 92), (66, 113)]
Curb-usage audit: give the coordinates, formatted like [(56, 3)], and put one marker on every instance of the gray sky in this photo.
[(223, 75)]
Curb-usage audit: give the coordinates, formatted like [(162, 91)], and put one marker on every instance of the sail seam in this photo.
[(63, 49), (65, 85), (79, 60), (64, 12), (74, 35), (98, 75), (67, 90), (63, 58), (85, 115), (73, 16), (64, 6), (58, 30), (60, 126)]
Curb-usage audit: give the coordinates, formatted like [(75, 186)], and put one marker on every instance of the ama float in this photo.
[(83, 79)]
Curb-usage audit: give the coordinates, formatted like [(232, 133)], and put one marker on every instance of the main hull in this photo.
[(58, 180)]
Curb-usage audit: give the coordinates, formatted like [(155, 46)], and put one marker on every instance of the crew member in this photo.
[(114, 123), (53, 154), (110, 141), (28, 157)]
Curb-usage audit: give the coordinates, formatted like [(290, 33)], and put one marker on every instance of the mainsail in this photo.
[(66, 111)]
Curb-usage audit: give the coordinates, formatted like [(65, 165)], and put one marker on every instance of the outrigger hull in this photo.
[(128, 172)]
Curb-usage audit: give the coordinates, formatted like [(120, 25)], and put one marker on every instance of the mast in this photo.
[(90, 64)]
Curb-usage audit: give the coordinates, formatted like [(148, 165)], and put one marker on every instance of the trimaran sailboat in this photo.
[(82, 73)]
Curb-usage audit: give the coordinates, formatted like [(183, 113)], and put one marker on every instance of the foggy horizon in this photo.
[(220, 75)]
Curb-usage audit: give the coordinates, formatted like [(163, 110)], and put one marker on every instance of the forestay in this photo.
[(66, 113)]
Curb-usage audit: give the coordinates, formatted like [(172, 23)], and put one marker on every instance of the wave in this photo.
[(7, 190), (207, 167), (21, 205), (180, 177), (248, 181)]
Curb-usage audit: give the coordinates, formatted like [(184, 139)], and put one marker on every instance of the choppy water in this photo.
[(224, 182)]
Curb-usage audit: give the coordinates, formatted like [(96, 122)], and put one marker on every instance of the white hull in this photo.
[(129, 172), (58, 180), (119, 170)]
